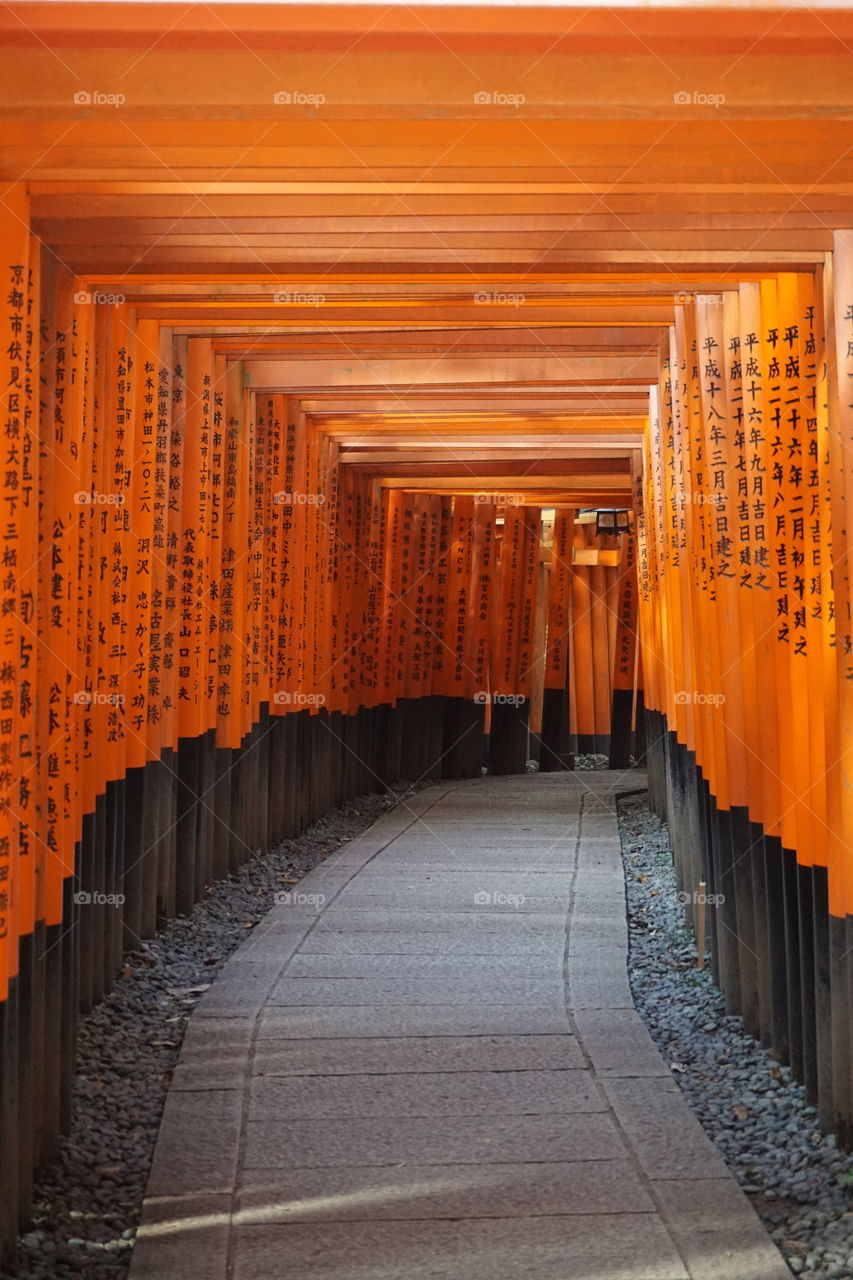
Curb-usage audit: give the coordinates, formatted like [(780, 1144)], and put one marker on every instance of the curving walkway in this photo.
[(435, 1070)]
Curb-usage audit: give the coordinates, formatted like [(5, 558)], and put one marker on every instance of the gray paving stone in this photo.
[(416, 1054), (429, 989), (521, 898), (288, 920), (717, 1231), (600, 853), (441, 1191), (309, 1023), (588, 931), (240, 990), (624, 1247), (438, 965), (548, 835), (434, 943), (459, 1093), (465, 880), (182, 1236), (559, 841), (666, 1137), (489, 822), (270, 947), (198, 1143), (467, 1140), (507, 870), (317, 890), (618, 1043), (597, 981), (214, 1054), (528, 865), (600, 885), (354, 919)]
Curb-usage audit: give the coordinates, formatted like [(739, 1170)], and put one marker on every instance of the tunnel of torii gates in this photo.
[(334, 343)]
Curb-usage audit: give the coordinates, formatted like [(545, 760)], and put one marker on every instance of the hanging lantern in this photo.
[(612, 522)]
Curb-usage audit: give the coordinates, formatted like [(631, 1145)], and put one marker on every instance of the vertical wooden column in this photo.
[(554, 753), (622, 703), (838, 312)]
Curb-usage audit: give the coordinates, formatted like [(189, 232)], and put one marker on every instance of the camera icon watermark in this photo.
[(82, 898), (484, 697), (293, 698), (698, 99), (91, 498), (297, 98), (497, 98), (293, 498), (83, 98), (701, 899), (502, 499), (293, 298), (89, 298), (296, 898), (494, 298), (698, 698), (485, 899), (97, 698)]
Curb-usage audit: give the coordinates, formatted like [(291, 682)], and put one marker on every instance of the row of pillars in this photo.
[(782, 962)]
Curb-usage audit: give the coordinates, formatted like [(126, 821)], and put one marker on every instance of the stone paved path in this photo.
[(428, 1065)]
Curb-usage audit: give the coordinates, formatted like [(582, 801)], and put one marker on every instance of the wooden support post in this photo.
[(26, 1037), (186, 827), (10, 1113), (699, 926), (623, 697)]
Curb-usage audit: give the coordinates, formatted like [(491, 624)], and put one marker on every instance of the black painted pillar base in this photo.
[(432, 732), (555, 752), (640, 731), (508, 738), (59, 1027), (748, 943), (621, 738), (591, 744), (409, 716), (223, 765), (777, 976), (782, 962), (822, 995), (841, 1046), (116, 818), (9, 1115), (383, 717), (70, 942), (26, 994), (168, 835), (656, 761), (185, 824), (463, 738)]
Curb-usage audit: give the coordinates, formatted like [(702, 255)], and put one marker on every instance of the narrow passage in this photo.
[(427, 1063)]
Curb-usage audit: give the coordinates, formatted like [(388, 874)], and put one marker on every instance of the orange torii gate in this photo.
[(308, 412)]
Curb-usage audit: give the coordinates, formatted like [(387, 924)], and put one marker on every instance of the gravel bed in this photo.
[(87, 1204), (592, 761), (795, 1176)]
